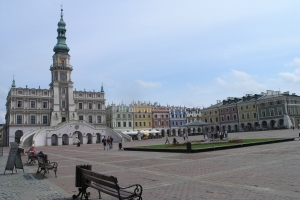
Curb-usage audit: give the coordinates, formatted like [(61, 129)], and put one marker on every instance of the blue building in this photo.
[(177, 119)]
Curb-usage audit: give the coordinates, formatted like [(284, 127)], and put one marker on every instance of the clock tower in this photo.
[(61, 84)]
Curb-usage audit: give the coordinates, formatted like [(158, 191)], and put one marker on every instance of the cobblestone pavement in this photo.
[(257, 172), (26, 185)]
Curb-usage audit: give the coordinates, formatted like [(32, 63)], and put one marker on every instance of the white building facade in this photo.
[(58, 115)]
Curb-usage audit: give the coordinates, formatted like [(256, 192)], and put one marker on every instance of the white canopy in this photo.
[(154, 131), (130, 132)]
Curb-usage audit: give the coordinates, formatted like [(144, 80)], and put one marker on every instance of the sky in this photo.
[(181, 53)]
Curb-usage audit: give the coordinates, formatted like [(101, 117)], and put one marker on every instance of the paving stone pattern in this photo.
[(258, 172)]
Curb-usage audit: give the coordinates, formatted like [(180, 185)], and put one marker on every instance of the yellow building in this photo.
[(142, 116), (248, 115), (211, 115)]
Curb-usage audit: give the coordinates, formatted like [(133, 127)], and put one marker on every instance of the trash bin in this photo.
[(189, 146), (120, 146), (78, 176)]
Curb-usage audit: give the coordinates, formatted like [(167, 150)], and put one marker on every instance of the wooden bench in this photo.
[(108, 185), (45, 165)]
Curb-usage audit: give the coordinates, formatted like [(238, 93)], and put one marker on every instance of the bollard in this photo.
[(189, 147), (120, 146)]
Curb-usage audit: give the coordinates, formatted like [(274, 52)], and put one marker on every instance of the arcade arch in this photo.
[(264, 124), (272, 122), (179, 132), (174, 132), (89, 138), (77, 134), (54, 140), (163, 133), (65, 139), (18, 135), (98, 138), (229, 128)]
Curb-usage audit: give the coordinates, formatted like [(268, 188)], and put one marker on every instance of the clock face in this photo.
[(63, 76)]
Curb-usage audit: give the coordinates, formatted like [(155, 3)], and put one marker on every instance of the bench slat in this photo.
[(98, 175), (100, 181), (110, 191)]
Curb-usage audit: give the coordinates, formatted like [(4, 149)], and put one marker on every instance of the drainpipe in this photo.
[(257, 113), (287, 108), (238, 117), (220, 128)]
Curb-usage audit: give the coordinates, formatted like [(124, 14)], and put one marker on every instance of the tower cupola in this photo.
[(61, 45)]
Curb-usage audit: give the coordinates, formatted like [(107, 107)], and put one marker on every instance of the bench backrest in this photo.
[(30, 154), (41, 161), (107, 181)]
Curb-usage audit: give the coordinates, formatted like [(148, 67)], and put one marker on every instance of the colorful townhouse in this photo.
[(248, 113), (211, 115), (278, 110), (177, 119), (160, 118), (142, 115), (228, 111), (119, 117), (193, 114)]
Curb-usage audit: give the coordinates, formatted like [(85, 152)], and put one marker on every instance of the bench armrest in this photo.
[(138, 189), (54, 164)]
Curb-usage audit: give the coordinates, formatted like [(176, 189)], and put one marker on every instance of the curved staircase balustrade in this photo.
[(29, 138), (26, 139), (120, 134)]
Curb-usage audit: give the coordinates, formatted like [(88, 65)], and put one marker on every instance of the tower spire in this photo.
[(61, 14), (61, 45), (13, 82), (102, 90)]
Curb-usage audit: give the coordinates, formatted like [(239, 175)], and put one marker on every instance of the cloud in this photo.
[(295, 62), (291, 77), (3, 93), (2, 116), (148, 85), (240, 82)]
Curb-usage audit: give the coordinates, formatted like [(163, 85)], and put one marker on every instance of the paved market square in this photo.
[(258, 172)]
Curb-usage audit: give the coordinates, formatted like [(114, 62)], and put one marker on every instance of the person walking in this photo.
[(104, 142), (78, 142), (184, 136), (167, 139), (111, 142), (108, 143)]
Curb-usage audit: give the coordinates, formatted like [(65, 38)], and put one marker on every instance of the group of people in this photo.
[(167, 140), (107, 142), (217, 135)]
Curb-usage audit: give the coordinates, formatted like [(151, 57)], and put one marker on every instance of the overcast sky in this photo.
[(183, 53)]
